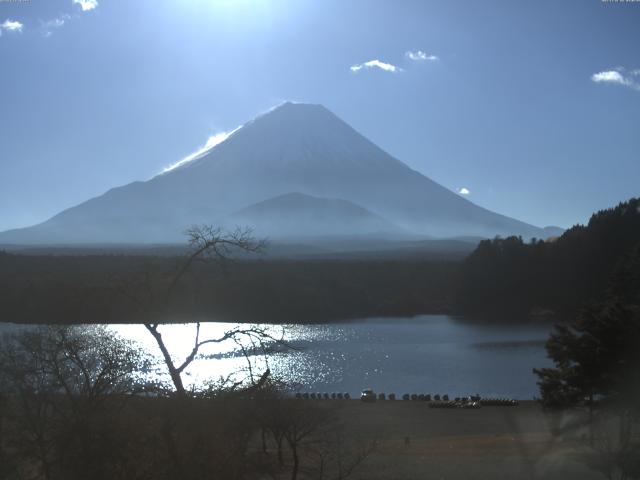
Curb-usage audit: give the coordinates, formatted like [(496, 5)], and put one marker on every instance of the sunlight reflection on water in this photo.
[(431, 353), (428, 354)]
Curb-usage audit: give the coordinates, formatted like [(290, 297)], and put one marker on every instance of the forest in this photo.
[(508, 277), (109, 288)]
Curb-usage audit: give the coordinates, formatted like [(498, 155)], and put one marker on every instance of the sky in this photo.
[(530, 109)]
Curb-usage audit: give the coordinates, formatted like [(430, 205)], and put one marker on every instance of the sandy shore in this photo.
[(416, 442)]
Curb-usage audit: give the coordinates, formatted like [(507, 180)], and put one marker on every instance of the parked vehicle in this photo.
[(368, 395)]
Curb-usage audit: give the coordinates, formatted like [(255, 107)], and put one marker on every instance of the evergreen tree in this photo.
[(597, 360)]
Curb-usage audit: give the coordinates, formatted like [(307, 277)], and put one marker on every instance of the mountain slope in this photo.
[(296, 215), (293, 148)]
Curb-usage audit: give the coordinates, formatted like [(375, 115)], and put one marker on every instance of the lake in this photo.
[(423, 354)]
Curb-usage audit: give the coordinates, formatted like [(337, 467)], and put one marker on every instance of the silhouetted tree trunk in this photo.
[(174, 372), (296, 460), (205, 241), (280, 452)]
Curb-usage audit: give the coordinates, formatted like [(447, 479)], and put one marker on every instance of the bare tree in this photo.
[(153, 299), (318, 446), (252, 334), (59, 381), (337, 456), (207, 243), (6, 460), (616, 457), (304, 421)]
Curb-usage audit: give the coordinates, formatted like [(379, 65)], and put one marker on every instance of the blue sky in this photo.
[(532, 107)]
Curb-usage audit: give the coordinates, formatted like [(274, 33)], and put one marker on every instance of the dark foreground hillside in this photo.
[(341, 439)]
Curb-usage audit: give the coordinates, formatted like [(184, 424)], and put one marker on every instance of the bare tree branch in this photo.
[(207, 242)]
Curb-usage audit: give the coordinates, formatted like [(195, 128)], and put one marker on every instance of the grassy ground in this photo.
[(416, 442)]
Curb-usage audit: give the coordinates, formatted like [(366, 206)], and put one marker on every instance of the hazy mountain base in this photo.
[(291, 248)]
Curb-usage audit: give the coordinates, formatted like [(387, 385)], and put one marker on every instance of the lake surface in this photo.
[(424, 354)]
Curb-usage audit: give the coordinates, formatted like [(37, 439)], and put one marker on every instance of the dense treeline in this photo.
[(510, 277), (111, 288)]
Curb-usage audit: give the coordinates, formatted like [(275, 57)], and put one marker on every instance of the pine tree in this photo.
[(597, 356)]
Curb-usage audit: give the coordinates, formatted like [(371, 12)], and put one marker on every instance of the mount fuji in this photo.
[(295, 171)]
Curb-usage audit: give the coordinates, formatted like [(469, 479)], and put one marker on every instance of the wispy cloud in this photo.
[(11, 26), (211, 142), (420, 56), (50, 25), (387, 67), (86, 5), (618, 76), (464, 191)]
